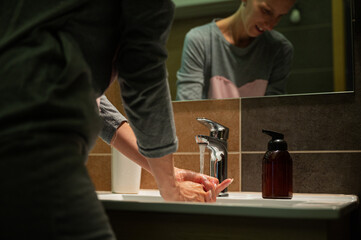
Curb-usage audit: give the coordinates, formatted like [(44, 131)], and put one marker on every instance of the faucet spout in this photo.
[(216, 142), (216, 129), (218, 157)]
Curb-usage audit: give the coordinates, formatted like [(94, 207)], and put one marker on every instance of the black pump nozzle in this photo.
[(274, 135), (277, 142)]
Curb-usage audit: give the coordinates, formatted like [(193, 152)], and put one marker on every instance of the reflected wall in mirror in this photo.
[(321, 38)]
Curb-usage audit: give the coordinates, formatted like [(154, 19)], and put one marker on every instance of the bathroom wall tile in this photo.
[(251, 172), (99, 168), (313, 122), (147, 181), (225, 112), (334, 173), (234, 172), (191, 162), (312, 173)]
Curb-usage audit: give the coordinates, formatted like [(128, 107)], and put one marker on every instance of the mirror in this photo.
[(322, 41)]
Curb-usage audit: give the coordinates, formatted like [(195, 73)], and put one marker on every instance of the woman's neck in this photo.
[(234, 30)]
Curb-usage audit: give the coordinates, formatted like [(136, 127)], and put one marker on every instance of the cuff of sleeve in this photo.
[(160, 151), (111, 119), (109, 130)]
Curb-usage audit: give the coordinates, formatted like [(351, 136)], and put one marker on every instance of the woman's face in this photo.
[(263, 15)]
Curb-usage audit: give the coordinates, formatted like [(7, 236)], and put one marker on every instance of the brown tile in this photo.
[(251, 172), (328, 173), (317, 122), (147, 181), (337, 173), (189, 161), (225, 112), (234, 172), (99, 168)]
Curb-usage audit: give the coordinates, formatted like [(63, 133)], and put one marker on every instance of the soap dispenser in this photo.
[(277, 168)]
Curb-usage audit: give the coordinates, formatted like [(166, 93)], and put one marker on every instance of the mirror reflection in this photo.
[(262, 47)]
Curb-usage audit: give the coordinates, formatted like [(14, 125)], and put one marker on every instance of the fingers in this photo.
[(209, 183), (188, 175), (195, 192), (204, 177), (210, 188), (223, 185), (210, 197), (213, 190)]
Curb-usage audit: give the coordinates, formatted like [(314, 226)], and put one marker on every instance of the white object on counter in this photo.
[(125, 174)]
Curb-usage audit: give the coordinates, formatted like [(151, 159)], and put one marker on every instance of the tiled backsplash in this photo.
[(323, 134), (225, 112)]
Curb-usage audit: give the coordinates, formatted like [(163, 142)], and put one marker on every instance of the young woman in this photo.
[(237, 56)]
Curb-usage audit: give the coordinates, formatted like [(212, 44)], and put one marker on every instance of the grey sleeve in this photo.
[(281, 70), (143, 76), (190, 76), (111, 119)]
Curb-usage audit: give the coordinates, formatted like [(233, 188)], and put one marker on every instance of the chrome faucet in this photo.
[(216, 142)]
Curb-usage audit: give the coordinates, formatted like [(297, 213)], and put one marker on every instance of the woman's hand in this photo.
[(210, 185), (183, 185)]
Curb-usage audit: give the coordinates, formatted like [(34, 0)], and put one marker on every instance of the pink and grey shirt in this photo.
[(212, 68)]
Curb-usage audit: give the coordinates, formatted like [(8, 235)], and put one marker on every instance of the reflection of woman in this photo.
[(237, 56)]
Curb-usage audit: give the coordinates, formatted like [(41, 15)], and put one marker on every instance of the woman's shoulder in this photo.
[(201, 33)]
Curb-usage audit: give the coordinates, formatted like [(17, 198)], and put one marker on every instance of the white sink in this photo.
[(322, 206)]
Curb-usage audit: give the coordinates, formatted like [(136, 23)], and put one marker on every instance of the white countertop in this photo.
[(304, 206)]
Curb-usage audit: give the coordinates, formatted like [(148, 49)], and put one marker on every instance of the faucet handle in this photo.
[(216, 130)]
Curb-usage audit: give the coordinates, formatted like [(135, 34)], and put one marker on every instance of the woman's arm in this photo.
[(190, 76)]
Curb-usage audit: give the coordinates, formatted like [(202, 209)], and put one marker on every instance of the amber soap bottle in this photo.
[(277, 168)]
